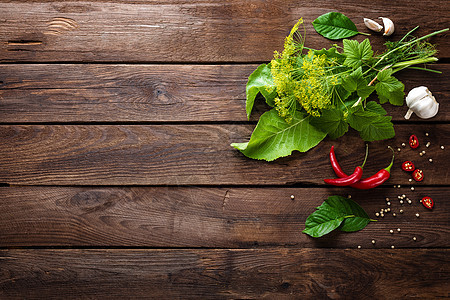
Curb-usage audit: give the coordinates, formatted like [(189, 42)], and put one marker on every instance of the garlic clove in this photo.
[(372, 25), (388, 26), (422, 102)]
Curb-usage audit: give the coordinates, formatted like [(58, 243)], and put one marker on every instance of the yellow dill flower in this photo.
[(313, 88)]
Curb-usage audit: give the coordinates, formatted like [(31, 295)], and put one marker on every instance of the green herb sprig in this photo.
[(316, 93)]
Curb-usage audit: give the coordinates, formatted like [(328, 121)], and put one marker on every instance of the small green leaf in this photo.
[(331, 53), (356, 52), (331, 121), (347, 207), (389, 88), (335, 26), (273, 137), (323, 221), (260, 81), (356, 82)]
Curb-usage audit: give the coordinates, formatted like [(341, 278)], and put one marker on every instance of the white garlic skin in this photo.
[(372, 25), (388, 26), (421, 102)]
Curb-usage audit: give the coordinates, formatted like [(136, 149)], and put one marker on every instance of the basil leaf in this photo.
[(347, 207), (389, 88), (323, 221), (273, 137), (356, 52), (335, 26), (260, 81), (331, 121)]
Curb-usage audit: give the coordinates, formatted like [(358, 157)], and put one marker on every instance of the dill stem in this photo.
[(409, 43)]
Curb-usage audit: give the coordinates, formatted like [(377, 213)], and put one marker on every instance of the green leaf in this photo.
[(331, 121), (335, 26), (356, 82), (347, 207), (260, 81), (356, 52), (371, 125), (323, 221), (331, 53), (273, 137), (375, 108), (389, 88)]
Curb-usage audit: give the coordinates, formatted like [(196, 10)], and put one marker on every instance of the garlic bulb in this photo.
[(388, 26), (421, 102), (372, 25)]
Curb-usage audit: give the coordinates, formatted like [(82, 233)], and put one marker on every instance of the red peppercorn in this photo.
[(427, 202), (408, 166), (413, 141), (418, 175)]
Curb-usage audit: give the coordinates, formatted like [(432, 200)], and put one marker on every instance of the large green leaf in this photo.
[(356, 52), (260, 81), (323, 221), (389, 88), (273, 137), (347, 207), (335, 26), (331, 121)]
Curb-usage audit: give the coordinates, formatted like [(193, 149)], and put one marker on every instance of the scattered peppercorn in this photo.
[(398, 229), (401, 211), (292, 197), (417, 215), (414, 239), (442, 147), (391, 231), (392, 247)]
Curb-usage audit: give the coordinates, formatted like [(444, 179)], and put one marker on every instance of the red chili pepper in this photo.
[(375, 180), (346, 180), (408, 166), (336, 167), (413, 141), (428, 202), (418, 175)]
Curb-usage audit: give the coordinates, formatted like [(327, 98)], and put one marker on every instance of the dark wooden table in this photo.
[(117, 178)]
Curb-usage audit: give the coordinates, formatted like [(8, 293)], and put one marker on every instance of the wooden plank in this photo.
[(187, 31), (145, 93), (210, 217), (194, 154), (225, 274)]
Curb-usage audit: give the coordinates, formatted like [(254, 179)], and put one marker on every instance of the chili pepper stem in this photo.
[(392, 161), (365, 158)]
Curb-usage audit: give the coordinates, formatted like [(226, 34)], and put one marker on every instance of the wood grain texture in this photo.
[(210, 217), (146, 93), (194, 154), (225, 274), (187, 31)]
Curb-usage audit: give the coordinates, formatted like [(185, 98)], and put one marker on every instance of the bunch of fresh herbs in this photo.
[(315, 93)]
